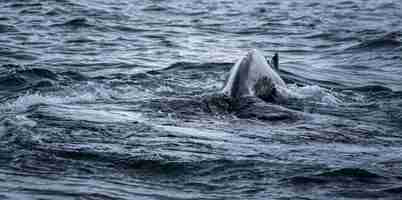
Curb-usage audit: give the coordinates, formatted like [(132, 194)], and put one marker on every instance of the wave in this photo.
[(115, 157), (9, 54), (129, 29), (387, 5), (371, 88), (383, 193), (388, 41), (22, 78), (145, 161), (313, 93), (292, 78), (75, 23), (16, 77), (80, 40), (395, 190), (88, 92), (56, 12), (26, 87), (76, 76), (154, 8), (351, 172), (25, 4), (8, 28), (182, 66), (338, 175)]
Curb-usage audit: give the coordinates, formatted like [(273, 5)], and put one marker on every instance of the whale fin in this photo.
[(275, 61)]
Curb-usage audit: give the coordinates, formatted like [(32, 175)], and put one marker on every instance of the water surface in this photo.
[(116, 100)]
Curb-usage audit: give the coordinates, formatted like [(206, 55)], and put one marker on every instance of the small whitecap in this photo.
[(313, 92), (86, 93), (164, 88), (83, 113), (23, 102), (23, 120)]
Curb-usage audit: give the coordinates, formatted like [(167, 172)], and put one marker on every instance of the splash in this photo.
[(84, 94), (314, 93)]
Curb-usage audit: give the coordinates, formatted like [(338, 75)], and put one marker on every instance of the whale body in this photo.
[(252, 76)]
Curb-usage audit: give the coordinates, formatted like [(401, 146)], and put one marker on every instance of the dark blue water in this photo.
[(117, 100)]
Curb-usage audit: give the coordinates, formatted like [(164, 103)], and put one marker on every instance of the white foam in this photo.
[(23, 120), (202, 134), (22, 103), (313, 92), (86, 93), (103, 115), (164, 88)]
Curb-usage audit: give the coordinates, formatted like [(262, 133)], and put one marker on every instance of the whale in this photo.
[(252, 75)]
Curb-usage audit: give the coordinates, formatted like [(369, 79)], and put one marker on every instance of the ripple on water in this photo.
[(388, 41), (8, 28), (80, 22)]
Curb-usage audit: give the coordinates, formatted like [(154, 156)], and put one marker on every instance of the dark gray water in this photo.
[(117, 100)]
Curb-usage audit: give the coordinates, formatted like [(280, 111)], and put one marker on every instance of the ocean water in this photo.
[(118, 100)]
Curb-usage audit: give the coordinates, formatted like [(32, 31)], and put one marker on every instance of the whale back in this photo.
[(250, 71)]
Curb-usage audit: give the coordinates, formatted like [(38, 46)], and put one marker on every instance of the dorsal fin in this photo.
[(275, 61)]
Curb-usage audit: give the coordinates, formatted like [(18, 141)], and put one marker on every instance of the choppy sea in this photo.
[(115, 100)]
